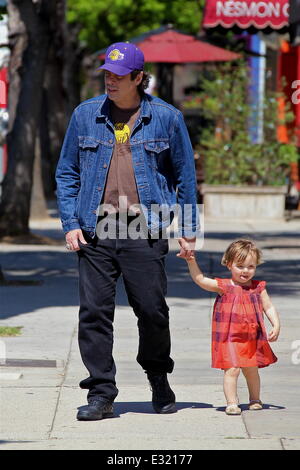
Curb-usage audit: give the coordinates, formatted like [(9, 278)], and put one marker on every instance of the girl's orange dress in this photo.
[(239, 336)]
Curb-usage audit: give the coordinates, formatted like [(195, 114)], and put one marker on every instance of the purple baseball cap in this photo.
[(122, 58)]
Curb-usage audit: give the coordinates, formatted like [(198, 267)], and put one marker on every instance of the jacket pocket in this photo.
[(87, 151), (156, 152)]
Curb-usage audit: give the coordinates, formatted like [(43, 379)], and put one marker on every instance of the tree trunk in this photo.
[(55, 101), (29, 37), (62, 91), (72, 71), (38, 207)]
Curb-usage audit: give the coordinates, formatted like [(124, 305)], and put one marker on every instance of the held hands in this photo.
[(72, 238), (187, 248)]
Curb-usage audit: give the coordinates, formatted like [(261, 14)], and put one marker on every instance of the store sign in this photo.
[(244, 14)]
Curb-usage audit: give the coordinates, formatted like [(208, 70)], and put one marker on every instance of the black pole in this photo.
[(294, 22), (165, 74)]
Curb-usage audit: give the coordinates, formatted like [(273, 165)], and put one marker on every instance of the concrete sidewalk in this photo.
[(38, 404)]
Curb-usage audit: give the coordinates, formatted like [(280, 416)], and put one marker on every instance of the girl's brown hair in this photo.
[(239, 250)]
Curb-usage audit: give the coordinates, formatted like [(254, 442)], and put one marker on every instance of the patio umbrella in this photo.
[(167, 46), (174, 47)]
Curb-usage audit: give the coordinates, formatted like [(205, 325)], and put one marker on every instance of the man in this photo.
[(124, 153)]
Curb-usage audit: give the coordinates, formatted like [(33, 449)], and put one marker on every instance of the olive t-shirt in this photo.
[(120, 179)]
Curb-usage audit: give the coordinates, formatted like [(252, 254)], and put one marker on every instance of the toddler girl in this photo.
[(239, 339)]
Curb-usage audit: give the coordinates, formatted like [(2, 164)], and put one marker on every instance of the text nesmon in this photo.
[(258, 9)]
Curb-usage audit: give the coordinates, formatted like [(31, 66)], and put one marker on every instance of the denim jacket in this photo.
[(162, 158)]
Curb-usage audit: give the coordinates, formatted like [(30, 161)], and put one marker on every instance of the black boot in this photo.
[(95, 410), (163, 397)]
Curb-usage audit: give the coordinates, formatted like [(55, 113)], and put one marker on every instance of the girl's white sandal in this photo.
[(255, 405), (233, 410)]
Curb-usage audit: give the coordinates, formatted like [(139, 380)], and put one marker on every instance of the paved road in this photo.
[(38, 404)]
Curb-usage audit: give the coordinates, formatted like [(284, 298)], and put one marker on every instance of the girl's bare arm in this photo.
[(198, 277), (272, 315)]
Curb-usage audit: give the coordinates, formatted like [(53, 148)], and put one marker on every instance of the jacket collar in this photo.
[(103, 110)]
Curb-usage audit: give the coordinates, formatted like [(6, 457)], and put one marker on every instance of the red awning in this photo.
[(246, 13)]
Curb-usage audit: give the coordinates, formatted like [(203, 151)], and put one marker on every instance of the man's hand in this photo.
[(187, 247), (72, 238)]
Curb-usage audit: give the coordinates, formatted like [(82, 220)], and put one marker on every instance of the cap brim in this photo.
[(116, 69)]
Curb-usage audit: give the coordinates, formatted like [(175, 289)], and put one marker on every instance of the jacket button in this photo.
[(110, 141), (94, 212), (104, 166), (99, 188)]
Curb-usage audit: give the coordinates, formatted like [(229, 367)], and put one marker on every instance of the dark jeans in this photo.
[(141, 262)]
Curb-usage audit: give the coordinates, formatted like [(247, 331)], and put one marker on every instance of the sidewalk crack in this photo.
[(62, 382)]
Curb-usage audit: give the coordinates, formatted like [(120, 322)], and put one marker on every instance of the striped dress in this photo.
[(239, 337)]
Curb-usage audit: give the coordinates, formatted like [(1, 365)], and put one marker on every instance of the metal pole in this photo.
[(257, 87)]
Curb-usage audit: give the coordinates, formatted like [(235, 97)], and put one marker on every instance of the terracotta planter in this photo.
[(294, 173), (252, 202)]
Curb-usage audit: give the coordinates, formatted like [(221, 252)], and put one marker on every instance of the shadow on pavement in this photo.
[(145, 407), (281, 275), (14, 442), (59, 287)]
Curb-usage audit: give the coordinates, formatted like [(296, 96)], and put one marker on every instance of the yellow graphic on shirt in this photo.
[(122, 132)]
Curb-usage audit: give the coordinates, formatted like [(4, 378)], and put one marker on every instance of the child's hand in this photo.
[(273, 335), (187, 247), (187, 258)]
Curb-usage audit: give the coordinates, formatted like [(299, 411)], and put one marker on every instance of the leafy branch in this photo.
[(229, 155)]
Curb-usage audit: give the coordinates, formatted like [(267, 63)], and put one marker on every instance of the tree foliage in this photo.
[(229, 155), (103, 22)]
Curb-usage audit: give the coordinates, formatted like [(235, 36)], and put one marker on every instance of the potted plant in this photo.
[(242, 179)]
